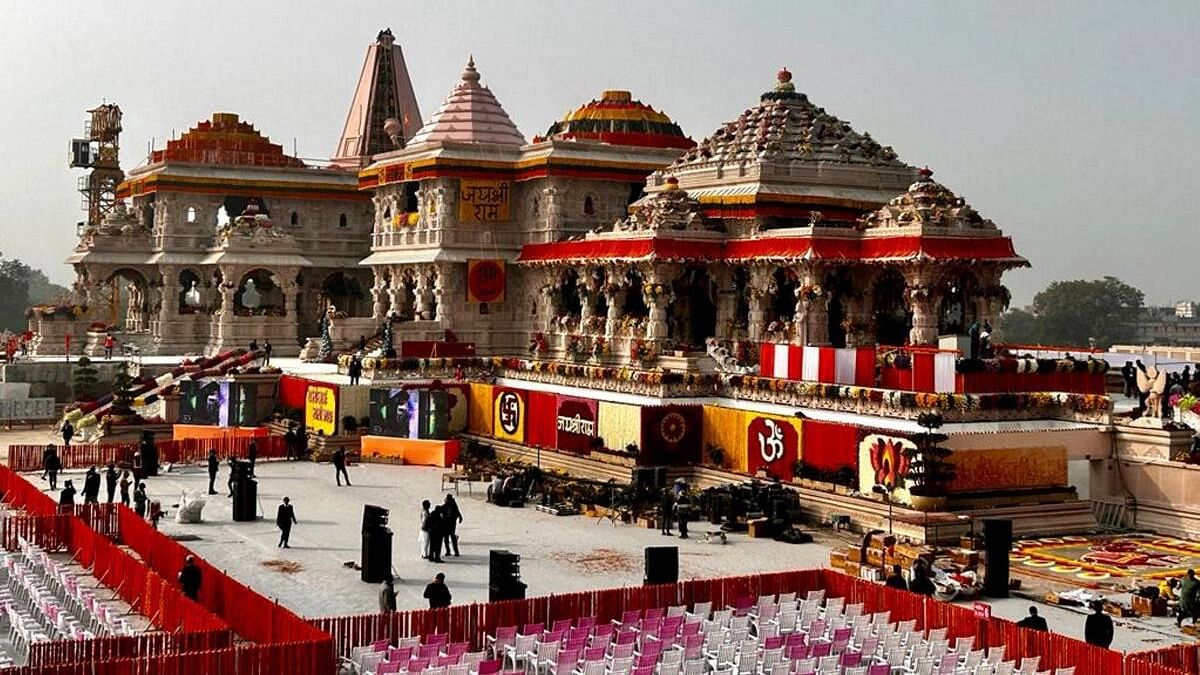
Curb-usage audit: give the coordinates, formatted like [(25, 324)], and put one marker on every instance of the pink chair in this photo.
[(585, 622), (743, 605), (417, 665), (561, 625), (596, 653), (438, 639), (429, 652), (457, 648), (840, 634), (879, 669), (796, 640), (603, 632), (505, 635), (399, 654), (533, 629), (774, 642), (489, 667), (626, 637), (380, 645), (851, 659), (630, 617), (654, 614), (796, 652), (820, 649), (447, 660), (389, 668)]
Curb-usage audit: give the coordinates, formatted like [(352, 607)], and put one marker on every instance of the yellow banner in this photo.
[(320, 409), (509, 415), (483, 201)]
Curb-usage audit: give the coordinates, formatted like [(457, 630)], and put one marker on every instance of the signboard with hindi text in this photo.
[(483, 201), (320, 409), (25, 409)]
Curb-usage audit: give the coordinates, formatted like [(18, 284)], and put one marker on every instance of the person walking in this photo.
[(232, 461), (68, 432), (422, 532), (452, 517), (110, 481), (665, 506), (51, 464), (1033, 621), (1189, 595), (1098, 629), (46, 453), (437, 593), (125, 480), (139, 500), (435, 524), (109, 343), (67, 496), (285, 518), (91, 486), (189, 578), (214, 466), (896, 579), (387, 595), (339, 466), (289, 442), (267, 349)]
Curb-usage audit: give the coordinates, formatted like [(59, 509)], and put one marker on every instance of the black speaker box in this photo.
[(660, 477), (373, 517), (376, 555), (997, 544), (662, 565), (245, 500)]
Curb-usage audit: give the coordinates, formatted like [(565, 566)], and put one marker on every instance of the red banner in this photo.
[(485, 281), (576, 422), (772, 445), (671, 434)]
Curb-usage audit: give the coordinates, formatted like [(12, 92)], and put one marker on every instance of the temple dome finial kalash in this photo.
[(617, 118)]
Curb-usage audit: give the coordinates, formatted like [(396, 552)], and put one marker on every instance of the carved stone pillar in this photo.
[(615, 295), (379, 293), (859, 320), (547, 301), (448, 295), (291, 290), (923, 304), (760, 290), (423, 296)]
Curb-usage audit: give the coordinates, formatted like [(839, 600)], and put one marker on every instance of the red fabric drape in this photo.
[(828, 446), (541, 410)]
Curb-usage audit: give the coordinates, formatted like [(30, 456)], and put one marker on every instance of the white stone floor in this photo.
[(559, 554)]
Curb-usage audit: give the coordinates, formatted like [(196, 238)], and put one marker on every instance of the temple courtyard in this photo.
[(558, 554)]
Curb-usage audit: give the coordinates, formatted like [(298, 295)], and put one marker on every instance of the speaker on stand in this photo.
[(662, 565), (376, 544), (245, 493), (997, 544), (504, 576)]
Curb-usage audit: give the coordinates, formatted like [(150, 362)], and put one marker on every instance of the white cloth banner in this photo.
[(845, 365), (782, 353), (811, 364), (943, 373)]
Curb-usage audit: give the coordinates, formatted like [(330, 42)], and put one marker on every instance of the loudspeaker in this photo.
[(504, 576), (997, 543), (511, 591), (373, 517), (245, 500), (660, 477), (376, 555), (662, 565)]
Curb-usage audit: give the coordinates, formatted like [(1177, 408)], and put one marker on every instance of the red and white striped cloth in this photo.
[(830, 365)]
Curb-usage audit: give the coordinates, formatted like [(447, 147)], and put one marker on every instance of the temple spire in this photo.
[(383, 115)]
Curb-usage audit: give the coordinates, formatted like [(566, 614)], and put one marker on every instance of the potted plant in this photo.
[(929, 473)]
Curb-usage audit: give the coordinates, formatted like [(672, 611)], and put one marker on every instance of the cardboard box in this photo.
[(966, 557), (1147, 607), (855, 554), (971, 543), (758, 528), (853, 568), (837, 560), (881, 540)]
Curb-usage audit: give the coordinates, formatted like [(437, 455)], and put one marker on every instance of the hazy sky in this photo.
[(1074, 126)]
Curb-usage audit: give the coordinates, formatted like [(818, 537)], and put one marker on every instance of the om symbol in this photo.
[(770, 444)]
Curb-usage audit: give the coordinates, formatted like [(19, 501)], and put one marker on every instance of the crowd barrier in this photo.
[(185, 450), (1183, 659)]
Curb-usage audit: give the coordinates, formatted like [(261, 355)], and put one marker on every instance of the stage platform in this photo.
[(392, 450)]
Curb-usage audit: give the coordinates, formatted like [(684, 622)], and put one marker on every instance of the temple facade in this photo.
[(613, 236)]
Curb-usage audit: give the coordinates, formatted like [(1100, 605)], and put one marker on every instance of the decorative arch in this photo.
[(347, 292), (893, 318), (258, 294), (190, 298)]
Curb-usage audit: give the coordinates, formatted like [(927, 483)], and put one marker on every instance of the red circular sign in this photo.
[(485, 280)]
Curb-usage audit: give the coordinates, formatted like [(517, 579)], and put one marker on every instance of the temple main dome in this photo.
[(617, 119)]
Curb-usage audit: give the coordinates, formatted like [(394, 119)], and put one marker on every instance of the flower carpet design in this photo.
[(1086, 560)]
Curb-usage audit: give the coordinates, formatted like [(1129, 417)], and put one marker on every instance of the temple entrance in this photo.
[(783, 303), (956, 312), (567, 306), (838, 285), (258, 294), (123, 303), (693, 314), (346, 293), (893, 320), (635, 305)]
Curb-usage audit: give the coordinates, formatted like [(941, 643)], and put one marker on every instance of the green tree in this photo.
[(14, 293), (1017, 326), (1073, 312), (85, 379)]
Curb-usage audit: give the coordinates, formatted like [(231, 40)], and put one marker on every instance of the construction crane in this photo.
[(99, 151)]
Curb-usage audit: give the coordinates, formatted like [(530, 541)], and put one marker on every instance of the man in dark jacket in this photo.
[(68, 432), (252, 454), (91, 486), (435, 527), (67, 496), (51, 463), (189, 578), (110, 481), (452, 516), (921, 584), (1033, 621), (665, 505), (214, 465), (149, 453), (896, 579), (1098, 629), (437, 593), (285, 518), (339, 466)]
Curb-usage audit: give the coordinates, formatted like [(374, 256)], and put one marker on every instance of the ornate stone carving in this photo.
[(670, 209), (930, 204)]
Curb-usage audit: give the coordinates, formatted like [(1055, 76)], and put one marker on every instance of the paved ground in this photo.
[(558, 554)]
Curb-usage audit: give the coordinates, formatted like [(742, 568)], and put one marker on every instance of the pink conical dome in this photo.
[(470, 114)]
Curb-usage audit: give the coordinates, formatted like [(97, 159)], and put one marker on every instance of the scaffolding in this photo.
[(99, 151)]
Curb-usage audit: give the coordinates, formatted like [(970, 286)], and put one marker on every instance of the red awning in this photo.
[(775, 248), (621, 249)]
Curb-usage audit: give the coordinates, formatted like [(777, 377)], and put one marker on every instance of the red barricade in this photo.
[(188, 450)]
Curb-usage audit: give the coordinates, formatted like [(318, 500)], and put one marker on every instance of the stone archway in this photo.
[(957, 309), (258, 294), (124, 301), (693, 314), (347, 292)]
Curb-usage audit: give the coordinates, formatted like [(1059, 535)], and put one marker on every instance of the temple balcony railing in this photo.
[(441, 236)]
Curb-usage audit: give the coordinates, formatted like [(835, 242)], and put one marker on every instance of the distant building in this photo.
[(1178, 325)]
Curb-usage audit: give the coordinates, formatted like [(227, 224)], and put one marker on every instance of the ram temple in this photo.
[(780, 330)]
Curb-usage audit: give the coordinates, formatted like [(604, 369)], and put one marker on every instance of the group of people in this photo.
[(266, 350), (674, 506), (439, 528), (1183, 595), (921, 583)]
